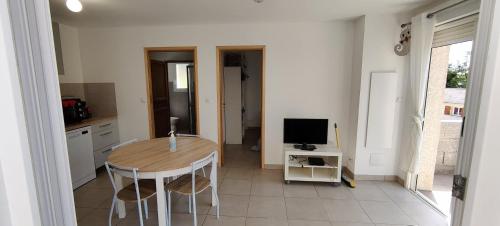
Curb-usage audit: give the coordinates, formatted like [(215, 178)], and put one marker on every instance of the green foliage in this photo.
[(457, 76)]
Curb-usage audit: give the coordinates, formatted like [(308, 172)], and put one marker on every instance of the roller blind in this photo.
[(457, 31)]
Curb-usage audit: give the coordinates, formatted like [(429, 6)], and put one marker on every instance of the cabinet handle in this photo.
[(105, 125), (106, 133)]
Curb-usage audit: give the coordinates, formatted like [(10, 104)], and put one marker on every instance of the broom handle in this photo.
[(337, 135)]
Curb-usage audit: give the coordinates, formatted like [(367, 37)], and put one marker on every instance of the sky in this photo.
[(460, 53)]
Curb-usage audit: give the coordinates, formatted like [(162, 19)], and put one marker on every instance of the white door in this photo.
[(232, 105)]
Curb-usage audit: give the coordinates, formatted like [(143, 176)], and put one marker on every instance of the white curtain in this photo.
[(422, 31)]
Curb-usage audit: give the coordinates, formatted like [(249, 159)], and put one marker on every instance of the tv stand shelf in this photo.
[(297, 167)]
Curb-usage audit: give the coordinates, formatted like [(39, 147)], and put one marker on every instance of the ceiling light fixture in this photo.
[(74, 5), (258, 1)]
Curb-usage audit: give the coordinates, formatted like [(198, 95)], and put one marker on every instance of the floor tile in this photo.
[(305, 209), (232, 205), (308, 223), (101, 181), (97, 217), (345, 211), (299, 189), (390, 225), (265, 222), (333, 192), (94, 198), (423, 214), (203, 204), (395, 192), (353, 224), (239, 174), (133, 220), (271, 207), (224, 221), (385, 213), (267, 174), (82, 212), (267, 188), (369, 192), (186, 219), (235, 187)]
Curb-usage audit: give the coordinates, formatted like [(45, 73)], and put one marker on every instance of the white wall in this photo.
[(71, 55), (18, 201), (381, 33), (357, 63), (308, 67), (253, 88)]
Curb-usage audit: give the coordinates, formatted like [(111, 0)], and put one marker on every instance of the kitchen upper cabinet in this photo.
[(57, 45)]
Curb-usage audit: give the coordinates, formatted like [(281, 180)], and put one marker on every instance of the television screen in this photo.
[(309, 131)]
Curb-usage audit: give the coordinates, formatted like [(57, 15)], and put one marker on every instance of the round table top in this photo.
[(155, 156)]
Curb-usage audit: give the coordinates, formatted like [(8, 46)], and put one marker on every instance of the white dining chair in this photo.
[(139, 191), (192, 184), (124, 143), (192, 135)]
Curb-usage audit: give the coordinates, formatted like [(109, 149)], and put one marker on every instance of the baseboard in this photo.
[(400, 181), (273, 166), (375, 177), (347, 172)]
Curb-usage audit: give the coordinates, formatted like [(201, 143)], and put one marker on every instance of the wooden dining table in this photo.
[(154, 160)]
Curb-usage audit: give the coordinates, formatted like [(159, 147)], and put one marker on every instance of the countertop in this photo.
[(88, 122)]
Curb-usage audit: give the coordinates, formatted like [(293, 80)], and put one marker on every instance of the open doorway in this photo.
[(172, 90), (240, 94), (444, 112)]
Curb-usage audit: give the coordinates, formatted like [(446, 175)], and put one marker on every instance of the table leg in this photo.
[(120, 205), (160, 199)]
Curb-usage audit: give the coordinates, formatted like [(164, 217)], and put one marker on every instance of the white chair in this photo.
[(123, 144), (139, 191), (192, 135), (192, 184), (187, 135), (147, 187)]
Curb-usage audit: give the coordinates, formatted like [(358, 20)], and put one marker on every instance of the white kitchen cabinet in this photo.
[(81, 156), (104, 136)]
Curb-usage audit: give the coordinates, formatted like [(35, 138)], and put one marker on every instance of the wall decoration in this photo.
[(403, 47)]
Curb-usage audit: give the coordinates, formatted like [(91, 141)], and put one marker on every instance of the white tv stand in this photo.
[(297, 167)]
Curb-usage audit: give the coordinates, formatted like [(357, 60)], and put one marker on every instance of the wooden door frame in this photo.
[(147, 59), (220, 114)]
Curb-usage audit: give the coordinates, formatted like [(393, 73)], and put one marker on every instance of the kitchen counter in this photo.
[(88, 122)]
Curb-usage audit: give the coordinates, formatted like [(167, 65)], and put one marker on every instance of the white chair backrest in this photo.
[(187, 135), (124, 143), (204, 161), (122, 171), (211, 158)]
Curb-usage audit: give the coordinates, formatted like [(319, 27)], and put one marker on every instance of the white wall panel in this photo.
[(381, 110)]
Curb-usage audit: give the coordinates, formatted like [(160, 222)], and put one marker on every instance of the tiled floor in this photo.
[(254, 197), (441, 192)]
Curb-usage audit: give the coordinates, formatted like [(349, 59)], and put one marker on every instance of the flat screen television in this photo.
[(305, 131)]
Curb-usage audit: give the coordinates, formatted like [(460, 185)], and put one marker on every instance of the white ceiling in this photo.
[(157, 12)]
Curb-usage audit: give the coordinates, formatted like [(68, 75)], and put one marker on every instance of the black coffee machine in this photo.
[(74, 110)]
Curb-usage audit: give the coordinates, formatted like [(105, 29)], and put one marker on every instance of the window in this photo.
[(181, 76)]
